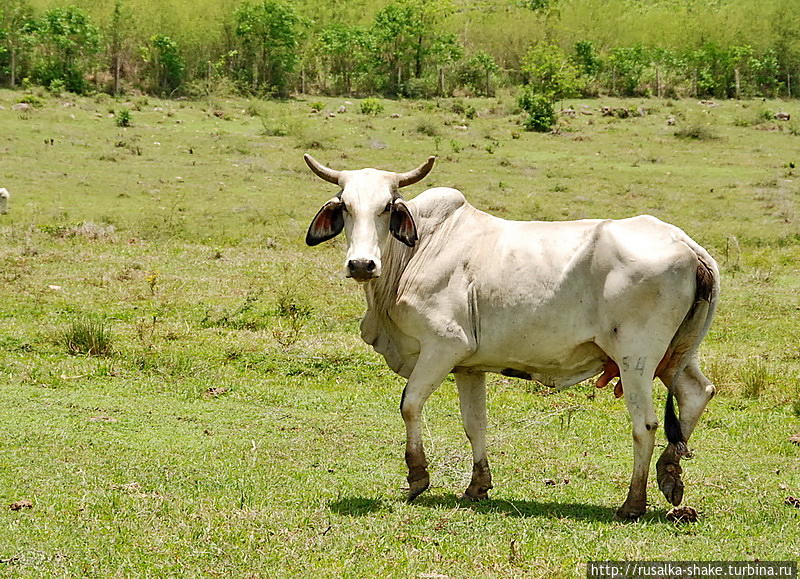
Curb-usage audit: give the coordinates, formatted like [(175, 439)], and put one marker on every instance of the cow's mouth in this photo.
[(361, 277)]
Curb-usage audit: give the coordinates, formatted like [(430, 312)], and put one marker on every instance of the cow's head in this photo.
[(368, 208)]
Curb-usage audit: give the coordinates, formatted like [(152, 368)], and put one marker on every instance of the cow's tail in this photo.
[(689, 335), (672, 426)]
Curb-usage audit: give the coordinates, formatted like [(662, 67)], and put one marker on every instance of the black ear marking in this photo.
[(401, 224), (327, 223)]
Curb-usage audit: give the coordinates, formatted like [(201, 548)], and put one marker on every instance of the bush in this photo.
[(123, 118), (541, 114), (427, 127), (371, 106), (87, 336), (697, 132), (57, 86), (419, 88)]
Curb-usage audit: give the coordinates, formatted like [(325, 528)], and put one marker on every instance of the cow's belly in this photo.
[(551, 364)]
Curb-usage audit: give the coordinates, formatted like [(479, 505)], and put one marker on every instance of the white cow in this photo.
[(4, 195), (450, 288)]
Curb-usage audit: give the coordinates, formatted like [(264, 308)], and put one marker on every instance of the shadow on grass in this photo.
[(361, 506), (522, 508), (356, 506)]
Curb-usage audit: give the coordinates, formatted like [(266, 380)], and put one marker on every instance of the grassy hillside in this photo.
[(238, 425)]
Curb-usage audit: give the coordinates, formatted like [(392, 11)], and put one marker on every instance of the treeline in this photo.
[(413, 48)]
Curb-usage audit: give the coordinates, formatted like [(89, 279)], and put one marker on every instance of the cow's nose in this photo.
[(361, 268)]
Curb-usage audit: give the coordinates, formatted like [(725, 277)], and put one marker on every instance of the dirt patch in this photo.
[(21, 504), (792, 502), (214, 392), (683, 514), (795, 439)]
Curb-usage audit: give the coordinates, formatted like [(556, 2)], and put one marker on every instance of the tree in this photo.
[(165, 64), (476, 73), (16, 18), (346, 50), (626, 66), (66, 45), (270, 33), (550, 73), (118, 43), (406, 39)]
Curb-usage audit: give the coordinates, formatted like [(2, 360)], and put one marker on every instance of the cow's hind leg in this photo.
[(433, 366), (693, 391), (472, 398), (637, 376)]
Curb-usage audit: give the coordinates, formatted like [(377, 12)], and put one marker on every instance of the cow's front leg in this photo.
[(472, 398), (639, 399), (431, 369)]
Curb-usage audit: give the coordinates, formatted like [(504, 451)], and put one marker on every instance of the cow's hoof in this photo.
[(669, 481), (629, 512), (476, 493), (417, 487)]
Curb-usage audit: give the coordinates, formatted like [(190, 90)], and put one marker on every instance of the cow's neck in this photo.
[(382, 292)]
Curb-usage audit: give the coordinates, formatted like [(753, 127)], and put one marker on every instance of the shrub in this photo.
[(541, 115), (371, 106), (57, 86), (87, 336), (427, 127), (123, 118), (696, 131)]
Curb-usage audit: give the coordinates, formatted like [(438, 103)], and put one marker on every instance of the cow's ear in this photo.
[(327, 223), (401, 223)]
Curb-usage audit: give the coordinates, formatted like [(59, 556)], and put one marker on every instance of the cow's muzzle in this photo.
[(362, 269)]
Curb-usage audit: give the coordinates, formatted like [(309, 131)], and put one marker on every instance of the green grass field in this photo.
[(234, 423)]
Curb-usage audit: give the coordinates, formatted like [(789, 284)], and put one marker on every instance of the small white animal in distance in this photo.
[(4, 195)]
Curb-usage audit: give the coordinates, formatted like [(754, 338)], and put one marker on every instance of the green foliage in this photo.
[(538, 5), (269, 33), (165, 64), (541, 114), (586, 58), (696, 130), (466, 110), (413, 48), (626, 66), (16, 40), (407, 41), (477, 73), (371, 106), (87, 336), (427, 127), (550, 73), (66, 46), (123, 118), (346, 51)]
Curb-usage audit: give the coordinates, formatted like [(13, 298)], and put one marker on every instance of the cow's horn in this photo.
[(323, 172), (417, 174)]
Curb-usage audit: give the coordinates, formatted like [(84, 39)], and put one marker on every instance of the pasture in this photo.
[(233, 423)]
